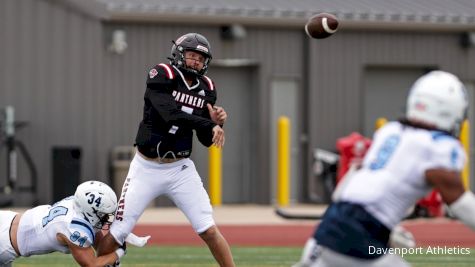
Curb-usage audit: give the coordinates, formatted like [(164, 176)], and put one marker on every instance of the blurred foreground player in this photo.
[(405, 161)]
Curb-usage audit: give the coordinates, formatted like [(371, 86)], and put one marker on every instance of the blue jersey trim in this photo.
[(86, 226), (454, 156), (438, 135)]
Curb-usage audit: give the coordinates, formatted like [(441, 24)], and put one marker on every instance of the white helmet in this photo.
[(438, 98), (97, 202)]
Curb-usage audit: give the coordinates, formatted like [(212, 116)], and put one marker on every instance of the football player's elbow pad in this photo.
[(464, 209)]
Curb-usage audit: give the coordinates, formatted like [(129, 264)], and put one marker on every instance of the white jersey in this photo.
[(39, 226), (392, 177)]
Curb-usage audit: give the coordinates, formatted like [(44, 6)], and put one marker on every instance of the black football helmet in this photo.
[(194, 42)]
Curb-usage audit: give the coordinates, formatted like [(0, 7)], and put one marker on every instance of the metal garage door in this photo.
[(385, 91), (234, 87)]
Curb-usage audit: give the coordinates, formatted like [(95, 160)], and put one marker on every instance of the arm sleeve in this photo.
[(446, 154), (205, 137), (160, 94), (464, 209), (80, 233)]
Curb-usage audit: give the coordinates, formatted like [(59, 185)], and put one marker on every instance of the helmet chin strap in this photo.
[(189, 73), (190, 70)]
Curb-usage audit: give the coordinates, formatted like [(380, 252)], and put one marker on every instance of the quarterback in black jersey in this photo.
[(172, 110), (179, 99)]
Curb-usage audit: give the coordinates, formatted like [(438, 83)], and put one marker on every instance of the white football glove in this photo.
[(401, 238), (138, 241)]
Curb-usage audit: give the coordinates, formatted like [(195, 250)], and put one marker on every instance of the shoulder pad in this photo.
[(209, 82), (81, 233), (448, 153)]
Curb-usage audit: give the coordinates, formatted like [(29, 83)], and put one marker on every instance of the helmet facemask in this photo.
[(105, 220), (98, 219)]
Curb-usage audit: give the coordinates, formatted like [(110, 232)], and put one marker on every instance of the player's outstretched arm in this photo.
[(449, 184), (164, 103), (85, 256)]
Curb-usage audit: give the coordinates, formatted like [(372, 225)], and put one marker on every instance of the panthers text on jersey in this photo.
[(172, 110)]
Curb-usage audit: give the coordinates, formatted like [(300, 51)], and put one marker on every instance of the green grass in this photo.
[(244, 256), (431, 258)]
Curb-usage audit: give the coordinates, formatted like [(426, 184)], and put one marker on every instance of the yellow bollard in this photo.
[(283, 165), (465, 140), (215, 174), (380, 122)]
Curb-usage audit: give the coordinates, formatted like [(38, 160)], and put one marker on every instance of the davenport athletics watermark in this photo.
[(430, 250)]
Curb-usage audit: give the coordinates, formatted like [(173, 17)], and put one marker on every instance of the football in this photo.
[(321, 25)]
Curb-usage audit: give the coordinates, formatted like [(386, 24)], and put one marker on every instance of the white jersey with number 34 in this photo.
[(39, 227), (392, 177)]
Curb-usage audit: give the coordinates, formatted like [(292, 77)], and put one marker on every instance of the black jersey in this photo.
[(172, 110)]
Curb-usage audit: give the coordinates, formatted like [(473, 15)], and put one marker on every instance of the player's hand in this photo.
[(120, 252), (218, 136), (218, 114)]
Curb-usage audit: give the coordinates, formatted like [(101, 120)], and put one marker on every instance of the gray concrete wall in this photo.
[(58, 74), (52, 74)]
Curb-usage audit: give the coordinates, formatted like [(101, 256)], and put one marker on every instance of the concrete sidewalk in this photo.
[(234, 215)]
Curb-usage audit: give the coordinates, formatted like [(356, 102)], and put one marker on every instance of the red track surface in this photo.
[(435, 232), (441, 233)]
